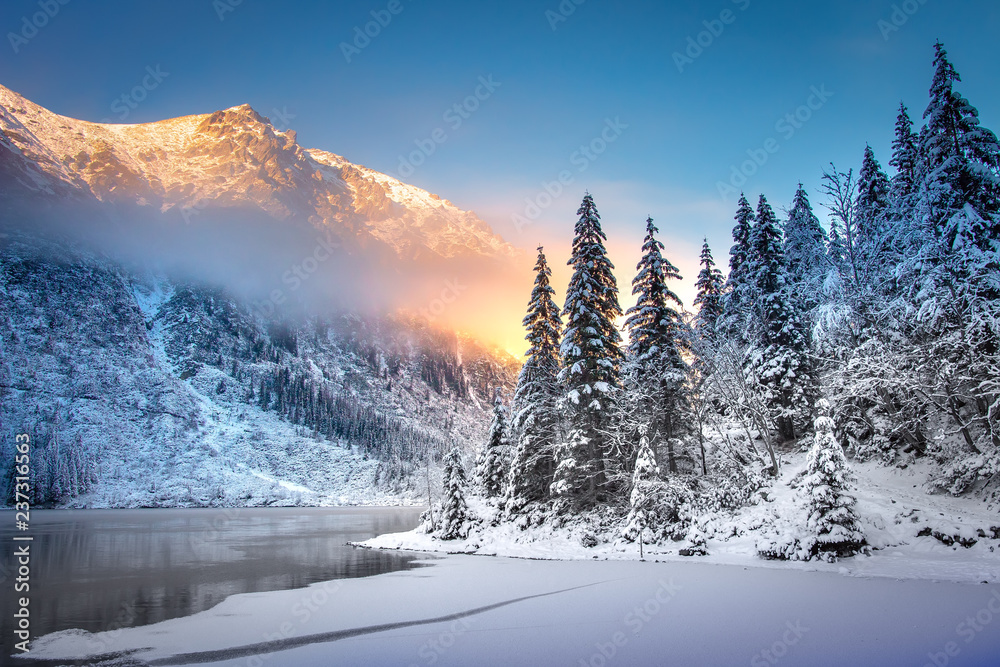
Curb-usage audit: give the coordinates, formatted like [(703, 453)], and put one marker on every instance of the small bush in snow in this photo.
[(697, 542), (967, 472), (785, 540), (737, 486)]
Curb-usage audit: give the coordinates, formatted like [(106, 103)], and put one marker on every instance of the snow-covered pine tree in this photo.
[(710, 286), (804, 250), (646, 486), (491, 469), (830, 528), (960, 163), (767, 259), (705, 343), (871, 209), (592, 357), (832, 524), (949, 273), (959, 159), (736, 304), (657, 370), (535, 423), (836, 254), (949, 278), (779, 356), (455, 513), (904, 184)]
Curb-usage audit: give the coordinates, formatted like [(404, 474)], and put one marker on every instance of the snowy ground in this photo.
[(893, 504), (468, 610)]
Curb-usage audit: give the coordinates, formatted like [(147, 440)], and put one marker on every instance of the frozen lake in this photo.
[(102, 569), (484, 611), (464, 610)]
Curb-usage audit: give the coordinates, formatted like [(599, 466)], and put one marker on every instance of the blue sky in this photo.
[(563, 77)]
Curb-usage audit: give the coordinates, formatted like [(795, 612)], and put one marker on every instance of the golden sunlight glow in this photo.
[(492, 311)]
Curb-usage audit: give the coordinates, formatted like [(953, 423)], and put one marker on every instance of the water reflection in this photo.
[(102, 569)]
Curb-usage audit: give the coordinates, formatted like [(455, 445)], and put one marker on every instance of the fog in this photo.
[(290, 269)]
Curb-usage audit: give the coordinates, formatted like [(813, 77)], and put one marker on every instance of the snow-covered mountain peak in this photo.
[(234, 157)]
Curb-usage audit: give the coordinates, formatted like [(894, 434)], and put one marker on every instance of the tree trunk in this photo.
[(701, 445), (430, 504)]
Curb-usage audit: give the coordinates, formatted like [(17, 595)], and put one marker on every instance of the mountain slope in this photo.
[(138, 391), (190, 315), (231, 158)]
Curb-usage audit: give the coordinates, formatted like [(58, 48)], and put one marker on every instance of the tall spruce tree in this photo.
[(904, 158), (592, 357), (705, 344), (491, 470), (736, 303), (950, 267), (766, 261), (956, 218), (903, 189), (455, 513), (872, 206), (779, 358), (959, 159), (710, 286), (804, 250), (656, 368), (535, 422)]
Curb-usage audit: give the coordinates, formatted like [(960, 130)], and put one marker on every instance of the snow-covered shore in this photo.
[(899, 517)]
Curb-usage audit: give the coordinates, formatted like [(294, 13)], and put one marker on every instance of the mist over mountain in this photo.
[(199, 311)]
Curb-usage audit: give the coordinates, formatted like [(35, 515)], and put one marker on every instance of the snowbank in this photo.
[(908, 528)]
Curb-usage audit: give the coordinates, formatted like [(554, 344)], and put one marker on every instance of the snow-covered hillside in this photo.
[(139, 391)]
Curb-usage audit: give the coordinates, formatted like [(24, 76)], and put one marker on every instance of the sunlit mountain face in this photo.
[(229, 198)]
